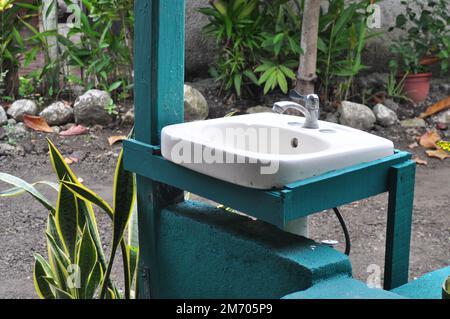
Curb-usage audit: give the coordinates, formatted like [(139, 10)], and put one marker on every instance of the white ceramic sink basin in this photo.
[(268, 150)]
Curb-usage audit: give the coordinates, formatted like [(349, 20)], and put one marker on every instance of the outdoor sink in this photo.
[(268, 150)]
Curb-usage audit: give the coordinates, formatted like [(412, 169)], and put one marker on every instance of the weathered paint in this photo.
[(342, 287), (159, 80), (399, 223), (204, 252), (428, 286)]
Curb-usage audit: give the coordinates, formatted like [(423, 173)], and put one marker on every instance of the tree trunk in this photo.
[(50, 23), (306, 76), (11, 80)]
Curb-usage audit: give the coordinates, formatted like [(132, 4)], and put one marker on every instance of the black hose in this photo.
[(348, 245)]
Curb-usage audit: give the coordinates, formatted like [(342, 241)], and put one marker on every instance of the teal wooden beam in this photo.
[(159, 80), (340, 187), (159, 67), (400, 212)]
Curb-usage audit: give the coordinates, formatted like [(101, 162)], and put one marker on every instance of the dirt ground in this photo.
[(22, 221)]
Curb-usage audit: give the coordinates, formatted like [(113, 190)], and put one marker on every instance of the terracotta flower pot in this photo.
[(417, 86)]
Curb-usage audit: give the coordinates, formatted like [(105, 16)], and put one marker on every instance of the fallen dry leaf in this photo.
[(439, 153), (37, 123), (429, 139), (114, 139), (75, 130), (435, 108), (420, 161), (413, 145), (71, 160)]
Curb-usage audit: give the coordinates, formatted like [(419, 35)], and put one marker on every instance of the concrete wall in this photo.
[(200, 52)]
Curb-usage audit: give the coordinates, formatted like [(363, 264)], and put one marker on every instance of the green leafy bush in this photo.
[(104, 52), (259, 44), (426, 25), (254, 37), (343, 35), (77, 267), (12, 17), (96, 52)]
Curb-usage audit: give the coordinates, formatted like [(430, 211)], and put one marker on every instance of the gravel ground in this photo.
[(22, 221)]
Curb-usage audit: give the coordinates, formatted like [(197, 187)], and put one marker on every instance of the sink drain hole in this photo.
[(294, 142)]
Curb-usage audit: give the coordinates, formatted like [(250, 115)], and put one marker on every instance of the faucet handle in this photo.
[(311, 101)]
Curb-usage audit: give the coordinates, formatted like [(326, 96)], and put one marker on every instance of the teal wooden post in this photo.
[(400, 211), (159, 80)]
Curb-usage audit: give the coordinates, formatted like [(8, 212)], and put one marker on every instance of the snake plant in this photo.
[(77, 266)]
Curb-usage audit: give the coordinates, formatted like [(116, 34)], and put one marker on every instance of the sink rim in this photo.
[(174, 133)]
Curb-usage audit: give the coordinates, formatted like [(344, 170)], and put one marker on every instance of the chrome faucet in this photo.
[(310, 110)]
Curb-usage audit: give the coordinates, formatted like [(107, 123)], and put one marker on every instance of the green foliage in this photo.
[(104, 51), (394, 88), (254, 37), (12, 17), (266, 42), (427, 28), (76, 267), (342, 38), (96, 52)]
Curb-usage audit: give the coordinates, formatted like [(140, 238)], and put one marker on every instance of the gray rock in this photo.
[(332, 118), (442, 117), (205, 85), (56, 129), (385, 116), (357, 116), (6, 149), (195, 105), (12, 122), (3, 117), (58, 113), (128, 117), (372, 80), (259, 109), (390, 103), (445, 88), (2, 133), (90, 108), (413, 123), (17, 132), (21, 107)]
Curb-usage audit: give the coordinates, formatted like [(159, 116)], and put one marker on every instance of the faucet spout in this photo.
[(310, 110)]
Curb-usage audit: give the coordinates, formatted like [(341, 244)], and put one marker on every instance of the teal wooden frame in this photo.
[(159, 80)]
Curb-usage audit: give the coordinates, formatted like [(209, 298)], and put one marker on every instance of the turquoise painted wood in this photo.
[(159, 80), (298, 199), (205, 252), (399, 223)]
